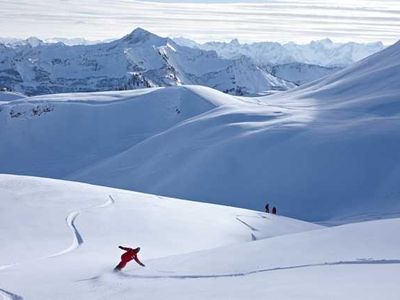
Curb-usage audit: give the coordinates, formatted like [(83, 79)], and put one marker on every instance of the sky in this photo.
[(204, 20)]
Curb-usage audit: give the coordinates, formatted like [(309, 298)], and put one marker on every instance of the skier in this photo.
[(129, 255), (267, 208), (274, 210)]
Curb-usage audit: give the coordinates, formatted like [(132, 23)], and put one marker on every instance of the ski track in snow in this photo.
[(253, 237), (242, 274), (77, 237), (77, 241), (9, 296), (246, 224)]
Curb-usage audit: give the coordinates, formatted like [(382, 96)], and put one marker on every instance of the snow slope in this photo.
[(327, 151), (60, 241), (67, 132), (46, 222)]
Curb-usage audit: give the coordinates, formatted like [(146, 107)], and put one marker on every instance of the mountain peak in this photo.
[(235, 42), (140, 31), (34, 41), (326, 41), (140, 35)]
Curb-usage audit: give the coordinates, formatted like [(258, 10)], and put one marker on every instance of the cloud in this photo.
[(274, 20)]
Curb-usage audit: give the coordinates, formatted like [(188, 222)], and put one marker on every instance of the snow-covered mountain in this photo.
[(140, 59), (322, 53), (298, 63), (59, 240), (327, 150), (300, 73), (15, 42)]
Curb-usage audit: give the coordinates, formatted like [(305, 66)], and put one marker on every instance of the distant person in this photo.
[(267, 208), (129, 255), (274, 210)]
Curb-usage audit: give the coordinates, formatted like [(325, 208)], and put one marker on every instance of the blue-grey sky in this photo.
[(204, 20)]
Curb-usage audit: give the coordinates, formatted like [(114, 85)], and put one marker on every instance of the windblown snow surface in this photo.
[(59, 241), (328, 150)]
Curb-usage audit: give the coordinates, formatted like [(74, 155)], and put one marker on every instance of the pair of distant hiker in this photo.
[(130, 254), (267, 209)]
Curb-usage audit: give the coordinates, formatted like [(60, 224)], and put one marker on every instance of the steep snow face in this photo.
[(69, 232), (140, 59)]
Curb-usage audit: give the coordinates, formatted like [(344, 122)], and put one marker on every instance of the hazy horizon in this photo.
[(204, 20), (71, 40)]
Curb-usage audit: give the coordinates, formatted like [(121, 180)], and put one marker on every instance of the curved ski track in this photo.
[(77, 237), (77, 241), (253, 229), (242, 274)]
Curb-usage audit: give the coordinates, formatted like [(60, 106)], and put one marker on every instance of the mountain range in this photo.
[(140, 59), (297, 63), (325, 53)]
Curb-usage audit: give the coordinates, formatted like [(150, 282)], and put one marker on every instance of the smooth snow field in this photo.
[(59, 241)]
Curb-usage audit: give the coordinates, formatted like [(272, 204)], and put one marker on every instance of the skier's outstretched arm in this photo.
[(124, 248), (138, 261)]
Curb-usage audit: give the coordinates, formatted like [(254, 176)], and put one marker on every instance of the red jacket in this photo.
[(130, 254)]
